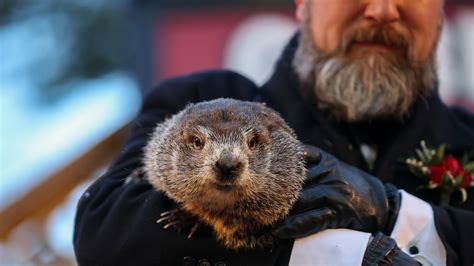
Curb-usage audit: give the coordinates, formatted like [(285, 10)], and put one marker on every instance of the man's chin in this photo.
[(384, 83)]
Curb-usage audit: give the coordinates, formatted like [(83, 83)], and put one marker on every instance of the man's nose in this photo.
[(382, 11)]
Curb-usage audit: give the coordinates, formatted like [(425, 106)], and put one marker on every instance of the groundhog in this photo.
[(233, 165)]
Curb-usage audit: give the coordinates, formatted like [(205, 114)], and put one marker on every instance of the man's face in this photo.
[(330, 19), (365, 59)]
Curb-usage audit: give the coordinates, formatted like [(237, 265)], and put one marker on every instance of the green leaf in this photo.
[(417, 171), (439, 155), (458, 180), (423, 145), (446, 180), (469, 167), (426, 152), (422, 157)]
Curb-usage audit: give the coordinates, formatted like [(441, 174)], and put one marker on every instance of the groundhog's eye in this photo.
[(252, 143), (197, 142)]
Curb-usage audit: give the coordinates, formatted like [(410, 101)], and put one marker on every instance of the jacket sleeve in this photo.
[(415, 231), (116, 221), (435, 235), (456, 230), (455, 126)]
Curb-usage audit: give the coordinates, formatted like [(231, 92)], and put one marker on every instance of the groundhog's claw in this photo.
[(179, 219), (194, 229)]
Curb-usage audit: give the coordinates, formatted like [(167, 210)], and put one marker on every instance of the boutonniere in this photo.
[(442, 171)]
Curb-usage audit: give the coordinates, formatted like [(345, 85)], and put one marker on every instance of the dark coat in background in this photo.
[(116, 222)]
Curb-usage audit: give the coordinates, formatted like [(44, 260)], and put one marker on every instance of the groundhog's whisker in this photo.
[(195, 166)]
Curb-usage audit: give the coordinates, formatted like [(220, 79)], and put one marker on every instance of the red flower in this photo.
[(447, 174), (449, 164), (436, 172), (466, 180)]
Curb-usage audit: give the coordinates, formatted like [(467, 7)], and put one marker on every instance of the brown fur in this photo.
[(260, 190)]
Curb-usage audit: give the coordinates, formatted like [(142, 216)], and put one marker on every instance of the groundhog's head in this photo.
[(226, 154)]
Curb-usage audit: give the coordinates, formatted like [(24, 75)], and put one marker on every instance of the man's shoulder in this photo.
[(452, 126), (454, 119), (463, 115), (201, 86)]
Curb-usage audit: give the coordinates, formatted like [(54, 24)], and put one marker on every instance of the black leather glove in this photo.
[(337, 195), (383, 250)]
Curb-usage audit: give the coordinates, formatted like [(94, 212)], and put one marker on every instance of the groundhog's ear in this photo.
[(278, 124), (275, 122), (269, 112)]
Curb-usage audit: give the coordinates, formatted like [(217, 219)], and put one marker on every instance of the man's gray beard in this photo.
[(361, 89)]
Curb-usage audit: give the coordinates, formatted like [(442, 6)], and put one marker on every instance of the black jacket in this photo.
[(116, 223)]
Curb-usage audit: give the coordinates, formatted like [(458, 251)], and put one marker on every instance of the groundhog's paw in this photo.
[(179, 219)]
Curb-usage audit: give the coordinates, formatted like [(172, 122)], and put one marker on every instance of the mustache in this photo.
[(385, 35)]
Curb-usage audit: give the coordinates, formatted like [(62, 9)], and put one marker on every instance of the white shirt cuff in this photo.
[(330, 247), (415, 231)]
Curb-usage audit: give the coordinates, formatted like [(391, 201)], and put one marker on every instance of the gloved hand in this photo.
[(337, 195)]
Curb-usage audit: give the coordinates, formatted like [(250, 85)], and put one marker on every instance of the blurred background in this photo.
[(72, 74)]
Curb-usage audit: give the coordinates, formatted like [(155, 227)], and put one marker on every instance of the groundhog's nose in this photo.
[(228, 168)]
